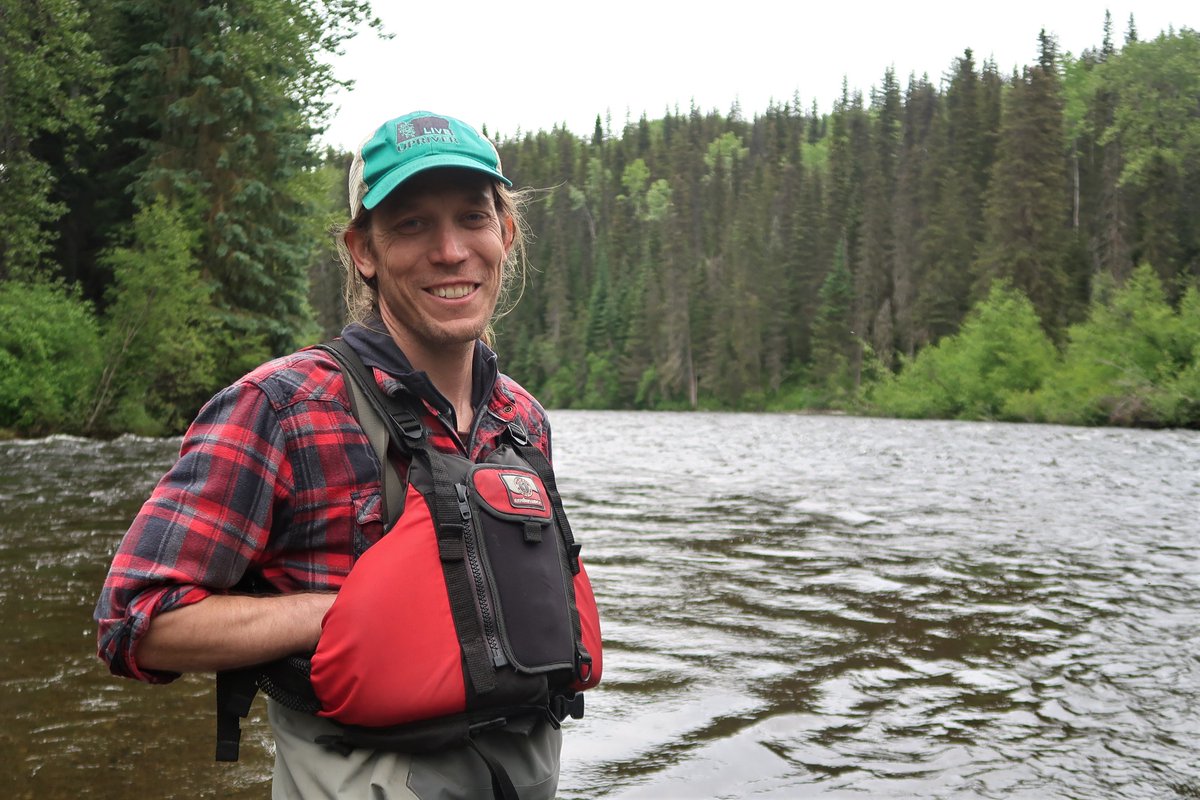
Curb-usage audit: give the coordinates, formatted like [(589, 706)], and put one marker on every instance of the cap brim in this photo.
[(385, 185)]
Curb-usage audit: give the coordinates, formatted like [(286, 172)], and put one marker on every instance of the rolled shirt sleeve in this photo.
[(208, 520)]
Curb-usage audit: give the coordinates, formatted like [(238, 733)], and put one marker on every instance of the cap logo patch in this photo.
[(423, 130), (522, 492)]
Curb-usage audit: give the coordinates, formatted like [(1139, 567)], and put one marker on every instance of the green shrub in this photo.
[(985, 371), (49, 358), (1133, 362), (560, 391), (160, 332), (602, 389), (1178, 403)]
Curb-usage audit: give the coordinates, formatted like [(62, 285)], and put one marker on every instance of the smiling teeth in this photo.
[(452, 292)]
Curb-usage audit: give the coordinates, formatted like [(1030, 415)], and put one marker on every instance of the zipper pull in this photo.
[(464, 508)]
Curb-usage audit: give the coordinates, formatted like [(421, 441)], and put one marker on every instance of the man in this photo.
[(276, 479)]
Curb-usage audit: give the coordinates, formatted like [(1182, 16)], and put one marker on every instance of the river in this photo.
[(793, 606)]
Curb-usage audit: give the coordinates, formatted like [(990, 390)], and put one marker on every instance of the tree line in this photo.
[(797, 258), (936, 249), (161, 200)]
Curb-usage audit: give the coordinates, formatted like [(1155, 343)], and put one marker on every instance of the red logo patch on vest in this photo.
[(523, 492)]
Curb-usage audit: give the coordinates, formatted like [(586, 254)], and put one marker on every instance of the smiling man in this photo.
[(416, 642), (435, 251)]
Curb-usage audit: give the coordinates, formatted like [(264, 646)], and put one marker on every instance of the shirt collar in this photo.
[(377, 349)]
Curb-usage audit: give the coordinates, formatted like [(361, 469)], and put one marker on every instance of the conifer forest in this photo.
[(980, 244)]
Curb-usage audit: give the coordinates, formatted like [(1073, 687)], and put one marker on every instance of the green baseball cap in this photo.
[(415, 142)]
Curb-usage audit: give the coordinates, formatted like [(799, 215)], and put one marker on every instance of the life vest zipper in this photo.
[(482, 596)]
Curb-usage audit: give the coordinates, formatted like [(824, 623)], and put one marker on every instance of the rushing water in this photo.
[(793, 606)]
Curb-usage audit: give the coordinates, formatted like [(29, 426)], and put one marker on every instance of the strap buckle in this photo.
[(518, 433), (409, 424), (563, 706)]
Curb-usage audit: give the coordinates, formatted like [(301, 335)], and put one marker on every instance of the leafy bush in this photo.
[(159, 331), (49, 358), (982, 372), (1179, 401), (1133, 362), (559, 390), (602, 387)]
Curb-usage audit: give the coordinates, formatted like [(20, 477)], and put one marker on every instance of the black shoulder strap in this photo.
[(367, 404), (236, 688), (542, 467)]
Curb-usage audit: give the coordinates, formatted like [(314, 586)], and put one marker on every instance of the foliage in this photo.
[(1134, 361), (1158, 85), (705, 259), (834, 342), (1027, 236), (601, 388), (50, 76), (982, 372), (222, 101), (718, 261), (49, 349), (1155, 125), (107, 107), (159, 329), (325, 273)]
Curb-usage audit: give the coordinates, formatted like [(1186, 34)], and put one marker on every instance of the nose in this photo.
[(449, 245)]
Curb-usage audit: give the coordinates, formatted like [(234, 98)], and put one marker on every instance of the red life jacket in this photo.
[(433, 614), (473, 611)]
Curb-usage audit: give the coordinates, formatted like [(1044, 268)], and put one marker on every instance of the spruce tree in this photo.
[(222, 104), (835, 344), (875, 274), (50, 76), (1027, 238), (956, 218)]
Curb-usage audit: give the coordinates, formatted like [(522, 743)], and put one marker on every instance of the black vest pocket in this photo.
[(526, 565)]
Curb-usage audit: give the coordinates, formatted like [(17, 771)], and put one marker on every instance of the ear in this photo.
[(510, 234), (362, 253)]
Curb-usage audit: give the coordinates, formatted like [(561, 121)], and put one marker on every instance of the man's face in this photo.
[(436, 246)]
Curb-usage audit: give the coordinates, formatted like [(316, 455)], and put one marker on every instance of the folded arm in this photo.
[(229, 631), (166, 605)]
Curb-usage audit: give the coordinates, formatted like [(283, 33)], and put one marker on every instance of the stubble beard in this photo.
[(428, 337)]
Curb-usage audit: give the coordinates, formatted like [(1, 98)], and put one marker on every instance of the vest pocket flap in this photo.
[(511, 492)]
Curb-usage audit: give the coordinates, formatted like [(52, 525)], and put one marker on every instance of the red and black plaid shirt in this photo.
[(276, 476)]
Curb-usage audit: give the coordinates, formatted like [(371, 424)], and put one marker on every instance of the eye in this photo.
[(408, 225), (477, 219)]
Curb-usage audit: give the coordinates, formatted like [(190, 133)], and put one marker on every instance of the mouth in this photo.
[(454, 291)]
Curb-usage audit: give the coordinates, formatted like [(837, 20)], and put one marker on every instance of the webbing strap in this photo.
[(502, 785), (406, 431), (371, 419), (453, 519), (235, 693), (542, 467), (236, 688)]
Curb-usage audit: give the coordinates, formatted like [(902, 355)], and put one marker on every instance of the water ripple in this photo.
[(793, 606)]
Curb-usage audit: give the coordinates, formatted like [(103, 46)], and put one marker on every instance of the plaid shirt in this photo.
[(277, 476)]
